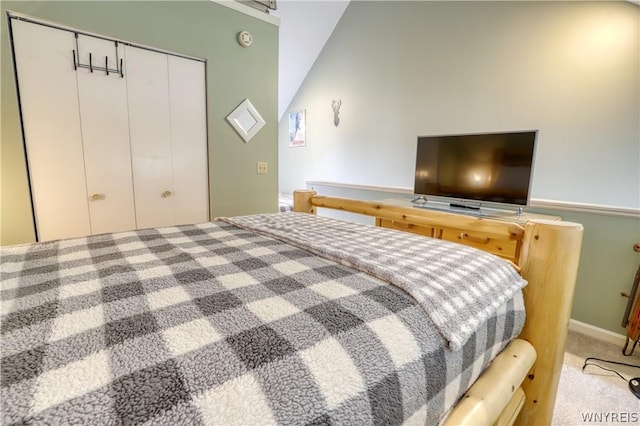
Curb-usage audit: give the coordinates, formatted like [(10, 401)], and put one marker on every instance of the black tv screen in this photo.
[(489, 167)]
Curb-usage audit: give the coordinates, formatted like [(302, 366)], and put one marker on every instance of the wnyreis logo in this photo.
[(611, 417)]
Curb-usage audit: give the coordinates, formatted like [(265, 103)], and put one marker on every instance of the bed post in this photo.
[(549, 260), (302, 201)]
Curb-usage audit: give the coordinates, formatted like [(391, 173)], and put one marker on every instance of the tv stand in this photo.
[(464, 206), (508, 249), (420, 200), (517, 215)]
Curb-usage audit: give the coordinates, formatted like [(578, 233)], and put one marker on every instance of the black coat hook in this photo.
[(78, 64)]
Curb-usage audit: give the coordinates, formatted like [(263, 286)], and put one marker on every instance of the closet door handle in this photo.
[(97, 197), (166, 194)]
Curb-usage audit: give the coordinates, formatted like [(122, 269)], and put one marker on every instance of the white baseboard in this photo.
[(597, 332)]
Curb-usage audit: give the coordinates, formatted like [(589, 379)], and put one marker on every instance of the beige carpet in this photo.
[(595, 396)]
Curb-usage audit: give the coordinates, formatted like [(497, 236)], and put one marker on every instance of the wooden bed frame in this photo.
[(520, 385)]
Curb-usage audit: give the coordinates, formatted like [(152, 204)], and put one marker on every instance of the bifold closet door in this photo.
[(187, 100), (110, 152), (50, 113), (167, 118), (150, 133), (105, 135)]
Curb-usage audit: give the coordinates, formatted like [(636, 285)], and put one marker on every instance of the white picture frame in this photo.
[(246, 120)]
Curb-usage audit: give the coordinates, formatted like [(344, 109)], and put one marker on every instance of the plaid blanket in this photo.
[(458, 286), (212, 324)]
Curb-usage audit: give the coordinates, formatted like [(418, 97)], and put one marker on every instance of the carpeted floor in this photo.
[(595, 396)]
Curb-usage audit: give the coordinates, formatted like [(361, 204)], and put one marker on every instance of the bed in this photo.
[(286, 318)]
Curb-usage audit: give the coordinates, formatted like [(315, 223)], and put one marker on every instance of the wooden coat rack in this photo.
[(631, 318)]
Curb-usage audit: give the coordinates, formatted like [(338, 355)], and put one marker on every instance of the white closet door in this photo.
[(105, 135), (150, 135), (187, 94), (49, 105)]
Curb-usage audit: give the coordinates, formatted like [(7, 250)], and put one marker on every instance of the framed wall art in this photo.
[(297, 128)]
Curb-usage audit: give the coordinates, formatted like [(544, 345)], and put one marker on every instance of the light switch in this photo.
[(262, 168)]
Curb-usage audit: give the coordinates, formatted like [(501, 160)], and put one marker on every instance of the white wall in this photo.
[(305, 26), (403, 69)]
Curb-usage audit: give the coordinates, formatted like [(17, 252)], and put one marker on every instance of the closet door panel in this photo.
[(50, 113), (187, 94), (150, 136), (105, 135)]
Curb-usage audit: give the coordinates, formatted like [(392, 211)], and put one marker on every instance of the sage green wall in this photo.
[(197, 28), (607, 266), (569, 69)]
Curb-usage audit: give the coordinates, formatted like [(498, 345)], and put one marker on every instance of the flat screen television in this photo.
[(488, 167)]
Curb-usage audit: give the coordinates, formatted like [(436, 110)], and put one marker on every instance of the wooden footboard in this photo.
[(548, 257)]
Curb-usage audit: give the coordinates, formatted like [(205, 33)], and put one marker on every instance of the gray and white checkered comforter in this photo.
[(458, 286), (212, 324)]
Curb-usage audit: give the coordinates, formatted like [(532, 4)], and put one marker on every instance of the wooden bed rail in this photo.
[(548, 260)]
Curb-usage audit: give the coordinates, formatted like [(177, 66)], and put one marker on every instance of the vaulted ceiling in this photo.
[(305, 27)]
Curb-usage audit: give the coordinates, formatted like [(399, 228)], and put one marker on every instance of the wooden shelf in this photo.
[(486, 213), (507, 248)]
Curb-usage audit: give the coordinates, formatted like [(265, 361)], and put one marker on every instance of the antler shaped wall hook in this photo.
[(335, 105)]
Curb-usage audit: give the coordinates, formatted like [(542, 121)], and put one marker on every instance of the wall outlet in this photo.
[(262, 167)]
